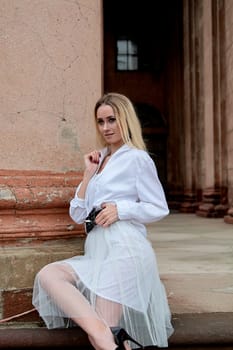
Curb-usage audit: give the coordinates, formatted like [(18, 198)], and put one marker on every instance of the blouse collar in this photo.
[(105, 151)]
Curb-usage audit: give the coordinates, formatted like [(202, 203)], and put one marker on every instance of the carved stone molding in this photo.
[(35, 206)]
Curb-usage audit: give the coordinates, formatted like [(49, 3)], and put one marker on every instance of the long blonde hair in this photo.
[(126, 117)]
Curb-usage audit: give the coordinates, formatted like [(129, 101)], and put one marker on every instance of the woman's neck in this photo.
[(113, 148)]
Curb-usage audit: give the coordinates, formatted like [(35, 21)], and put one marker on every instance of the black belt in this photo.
[(89, 222)]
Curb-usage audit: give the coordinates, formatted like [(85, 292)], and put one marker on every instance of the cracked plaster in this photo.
[(49, 81)]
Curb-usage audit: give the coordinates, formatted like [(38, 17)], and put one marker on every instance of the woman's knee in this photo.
[(52, 272), (46, 274)]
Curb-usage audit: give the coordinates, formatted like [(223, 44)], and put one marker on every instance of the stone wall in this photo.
[(50, 70), (50, 78)]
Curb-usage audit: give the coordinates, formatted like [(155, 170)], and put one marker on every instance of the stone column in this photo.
[(192, 92), (173, 109), (214, 197), (227, 17)]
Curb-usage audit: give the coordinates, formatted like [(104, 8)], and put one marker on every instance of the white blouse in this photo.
[(130, 180)]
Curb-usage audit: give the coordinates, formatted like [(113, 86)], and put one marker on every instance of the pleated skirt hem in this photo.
[(118, 275)]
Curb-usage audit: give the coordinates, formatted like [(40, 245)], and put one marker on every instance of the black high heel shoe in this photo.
[(120, 336)]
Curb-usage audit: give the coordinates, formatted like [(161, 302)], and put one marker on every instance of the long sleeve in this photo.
[(151, 204), (77, 209)]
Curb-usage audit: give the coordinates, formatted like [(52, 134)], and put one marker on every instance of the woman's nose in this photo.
[(105, 125)]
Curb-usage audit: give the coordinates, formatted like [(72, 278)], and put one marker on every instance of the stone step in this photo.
[(195, 262), (192, 331)]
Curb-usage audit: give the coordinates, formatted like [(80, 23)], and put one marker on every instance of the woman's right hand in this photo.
[(91, 161), (91, 164)]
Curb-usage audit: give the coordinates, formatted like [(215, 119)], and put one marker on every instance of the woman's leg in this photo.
[(108, 310), (111, 312), (59, 282)]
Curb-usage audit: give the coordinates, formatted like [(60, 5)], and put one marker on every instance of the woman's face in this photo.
[(108, 127)]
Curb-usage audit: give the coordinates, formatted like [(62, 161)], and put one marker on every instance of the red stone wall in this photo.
[(35, 206)]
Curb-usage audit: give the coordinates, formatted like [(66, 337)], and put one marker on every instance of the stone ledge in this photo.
[(19, 265), (35, 206), (36, 190), (193, 330), (203, 328), (33, 226)]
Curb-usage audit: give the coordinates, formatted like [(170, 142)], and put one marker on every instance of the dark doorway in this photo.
[(154, 127), (138, 36)]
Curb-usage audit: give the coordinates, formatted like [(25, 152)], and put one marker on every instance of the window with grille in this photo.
[(127, 55)]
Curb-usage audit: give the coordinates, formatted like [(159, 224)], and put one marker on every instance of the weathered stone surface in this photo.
[(7, 198), (50, 78), (35, 205), (19, 265)]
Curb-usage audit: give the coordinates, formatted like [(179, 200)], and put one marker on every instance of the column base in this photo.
[(214, 203), (190, 203), (229, 217)]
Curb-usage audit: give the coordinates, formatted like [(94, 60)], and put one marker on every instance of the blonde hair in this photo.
[(126, 117)]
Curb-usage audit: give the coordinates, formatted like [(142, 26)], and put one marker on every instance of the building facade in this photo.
[(184, 76), (175, 62)]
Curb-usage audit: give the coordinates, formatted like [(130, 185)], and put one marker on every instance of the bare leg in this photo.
[(58, 280), (111, 312)]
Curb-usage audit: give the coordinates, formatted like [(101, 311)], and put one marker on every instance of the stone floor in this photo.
[(195, 260)]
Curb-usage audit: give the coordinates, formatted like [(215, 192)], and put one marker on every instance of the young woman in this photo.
[(113, 292)]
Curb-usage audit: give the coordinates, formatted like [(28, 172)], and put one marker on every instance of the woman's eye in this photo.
[(112, 120), (100, 121)]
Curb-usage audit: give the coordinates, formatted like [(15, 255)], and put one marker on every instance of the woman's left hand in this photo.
[(108, 215)]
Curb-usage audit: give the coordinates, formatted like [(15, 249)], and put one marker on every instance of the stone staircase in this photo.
[(195, 261)]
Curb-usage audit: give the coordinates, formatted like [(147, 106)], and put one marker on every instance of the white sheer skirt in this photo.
[(119, 277)]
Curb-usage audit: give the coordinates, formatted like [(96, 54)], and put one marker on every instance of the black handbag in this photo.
[(89, 222)]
